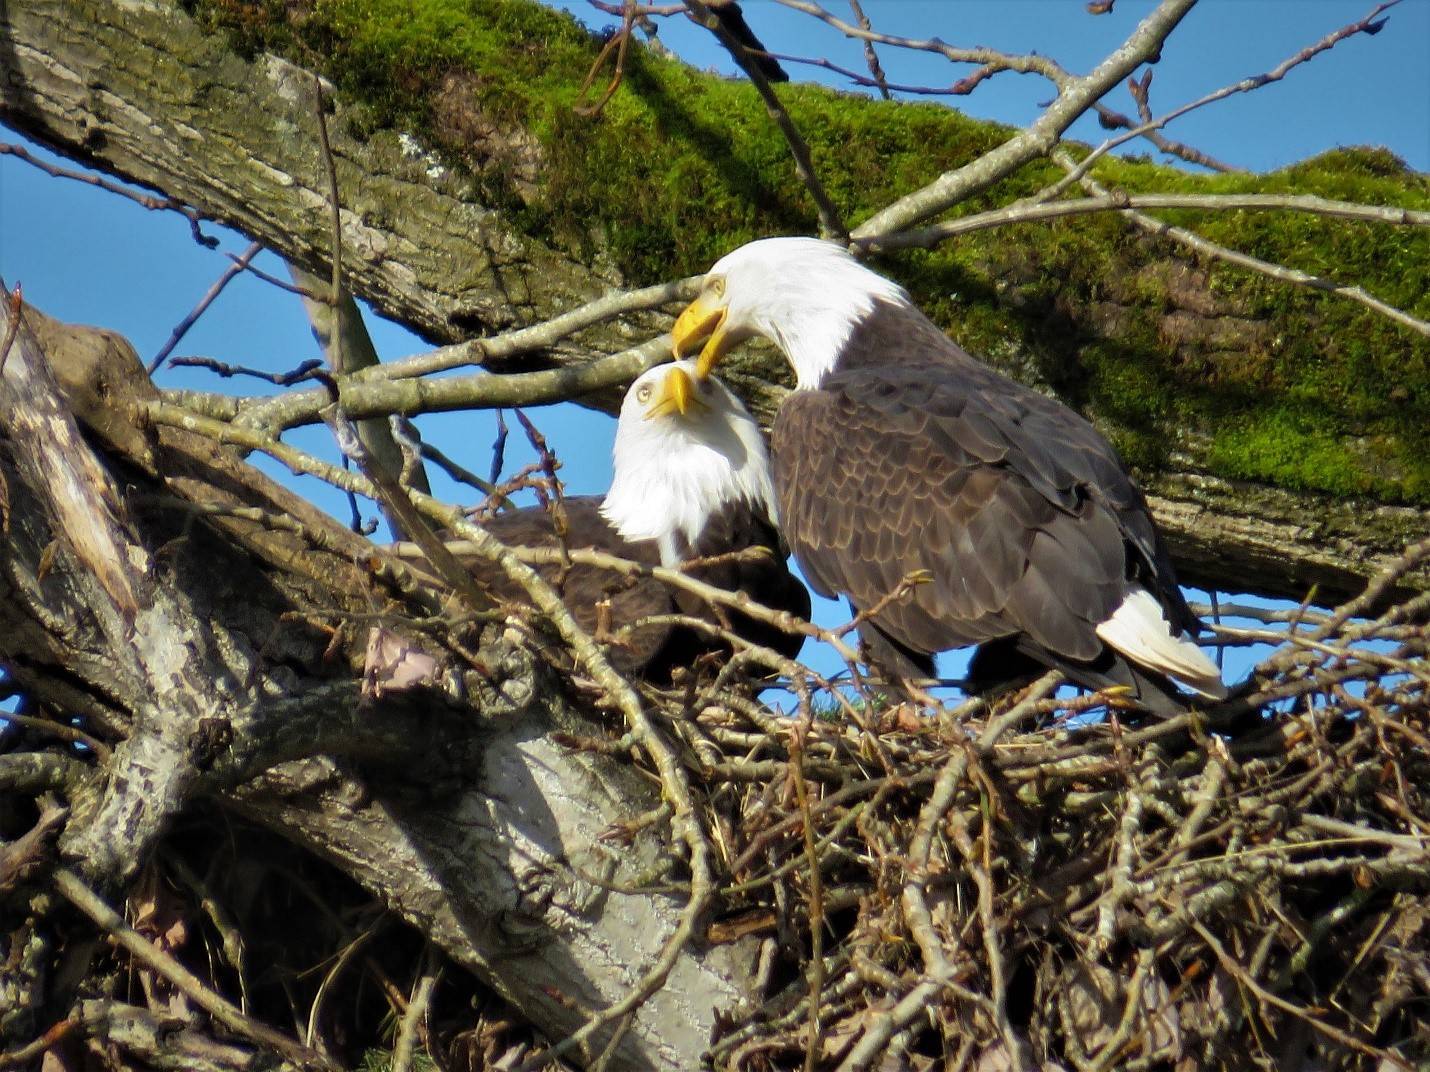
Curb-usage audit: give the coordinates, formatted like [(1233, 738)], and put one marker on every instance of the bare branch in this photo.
[(1117, 201), (830, 224), (1074, 98), (181, 329), (1244, 260)]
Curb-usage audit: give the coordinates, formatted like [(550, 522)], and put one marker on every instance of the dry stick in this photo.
[(77, 893), (37, 1048), (1242, 976), (870, 56), (417, 1007), (816, 890), (1212, 249), (344, 958), (677, 578), (1074, 98), (938, 971), (1117, 201), (1378, 586), (830, 224), (238, 265)]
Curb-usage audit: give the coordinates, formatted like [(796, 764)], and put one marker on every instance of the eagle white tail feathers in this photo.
[(1139, 630)]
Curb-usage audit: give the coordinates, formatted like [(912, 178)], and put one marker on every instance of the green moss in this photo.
[(1287, 385)]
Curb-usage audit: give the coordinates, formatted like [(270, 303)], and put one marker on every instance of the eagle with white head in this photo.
[(899, 452), (691, 481)]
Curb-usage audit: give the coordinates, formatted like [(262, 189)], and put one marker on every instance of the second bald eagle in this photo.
[(898, 452)]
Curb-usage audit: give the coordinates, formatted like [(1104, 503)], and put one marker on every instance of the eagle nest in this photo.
[(1035, 885)]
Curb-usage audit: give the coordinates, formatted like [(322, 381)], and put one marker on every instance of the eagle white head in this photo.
[(805, 295), (685, 447)]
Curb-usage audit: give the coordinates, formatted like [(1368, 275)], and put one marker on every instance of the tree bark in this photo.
[(140, 91), (454, 805)]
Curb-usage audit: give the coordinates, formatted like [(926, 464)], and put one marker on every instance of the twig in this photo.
[(38, 1047), (1367, 25), (371, 394), (416, 1010), (182, 328), (1074, 98), (870, 56), (816, 890), (1243, 977), (1244, 260), (77, 893), (62, 730), (154, 204), (1117, 201), (990, 61), (830, 224), (619, 41)]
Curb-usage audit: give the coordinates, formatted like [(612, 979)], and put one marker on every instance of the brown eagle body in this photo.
[(654, 650), (691, 481), (900, 453)]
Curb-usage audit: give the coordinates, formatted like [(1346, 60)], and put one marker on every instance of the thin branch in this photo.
[(1074, 98), (1117, 201), (870, 56), (1367, 25), (154, 204), (237, 266), (77, 893), (830, 223), (1205, 246), (990, 61), (371, 393)]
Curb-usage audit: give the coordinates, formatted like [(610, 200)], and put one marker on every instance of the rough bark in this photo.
[(140, 91), (454, 805)]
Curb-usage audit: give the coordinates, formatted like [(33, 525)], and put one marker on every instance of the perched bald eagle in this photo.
[(691, 480), (898, 452)]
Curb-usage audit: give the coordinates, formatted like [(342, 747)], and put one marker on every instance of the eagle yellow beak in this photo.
[(677, 395), (701, 322)]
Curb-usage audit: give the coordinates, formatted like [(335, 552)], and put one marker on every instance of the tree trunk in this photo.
[(197, 633)]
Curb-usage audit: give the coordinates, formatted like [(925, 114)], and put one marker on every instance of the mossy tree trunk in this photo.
[(481, 222)]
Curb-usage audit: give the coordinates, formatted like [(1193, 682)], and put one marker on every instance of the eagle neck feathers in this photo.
[(669, 483)]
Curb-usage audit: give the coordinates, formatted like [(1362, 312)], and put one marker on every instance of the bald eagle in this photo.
[(899, 452), (691, 480)]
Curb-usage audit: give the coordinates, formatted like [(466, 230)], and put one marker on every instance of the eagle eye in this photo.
[(716, 286), (643, 393)]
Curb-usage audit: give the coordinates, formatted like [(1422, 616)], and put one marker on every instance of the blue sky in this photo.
[(87, 256)]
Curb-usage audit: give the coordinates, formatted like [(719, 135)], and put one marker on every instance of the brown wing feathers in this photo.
[(926, 459), (655, 650)]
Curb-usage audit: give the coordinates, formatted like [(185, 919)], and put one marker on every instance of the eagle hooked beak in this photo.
[(702, 321), (677, 395)]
